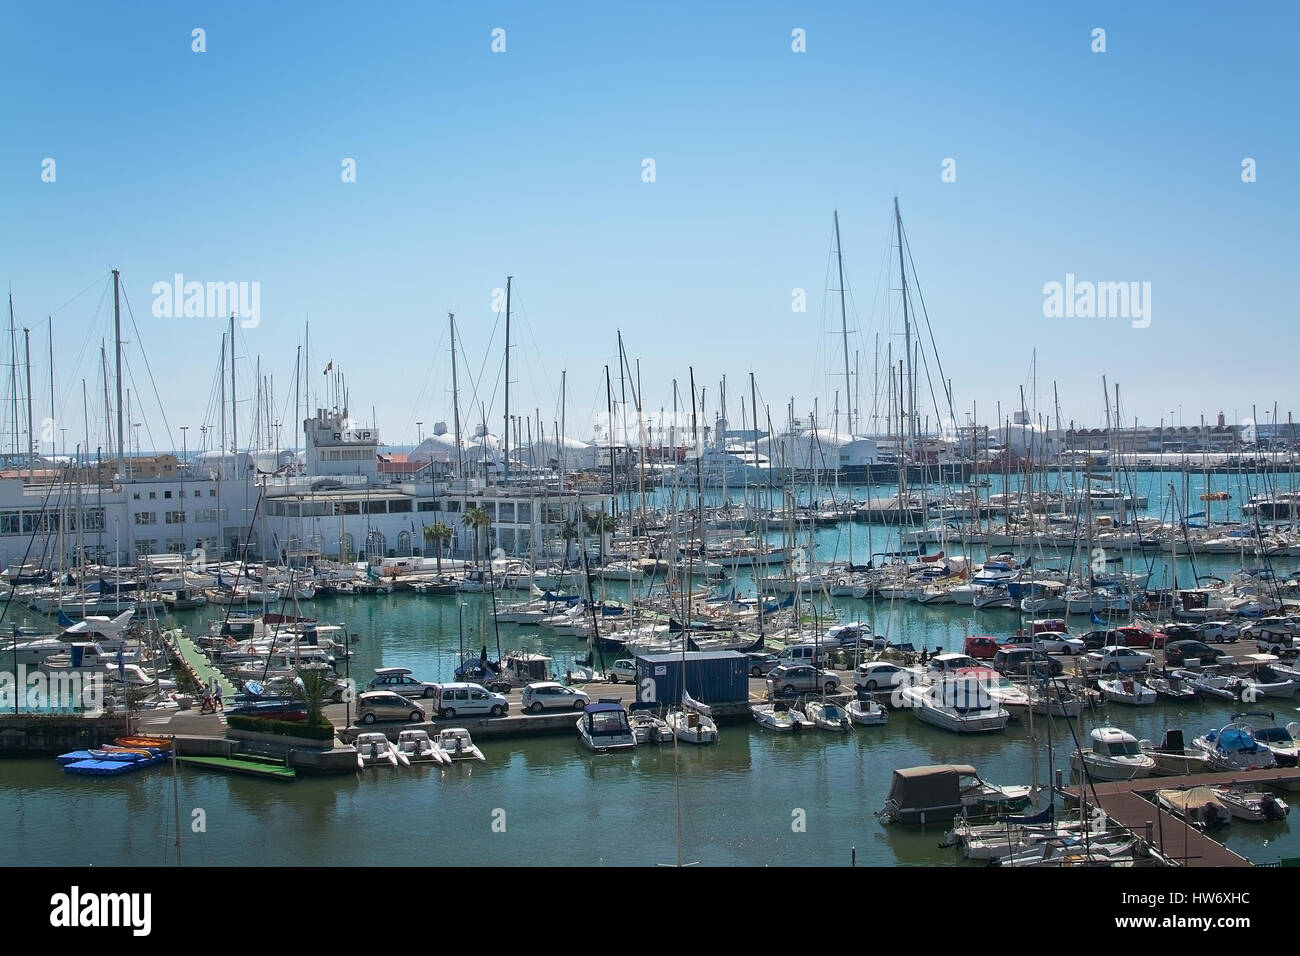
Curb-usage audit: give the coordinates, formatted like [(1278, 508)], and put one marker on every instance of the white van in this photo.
[(459, 700), (803, 654)]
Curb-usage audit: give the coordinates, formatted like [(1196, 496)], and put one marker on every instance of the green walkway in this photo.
[(245, 764), (200, 662)]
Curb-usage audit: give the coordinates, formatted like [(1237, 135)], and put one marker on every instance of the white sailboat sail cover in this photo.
[(695, 705)]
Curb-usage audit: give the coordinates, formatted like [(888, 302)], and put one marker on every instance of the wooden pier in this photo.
[(1131, 804)]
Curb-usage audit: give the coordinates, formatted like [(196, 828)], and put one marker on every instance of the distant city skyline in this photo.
[(1076, 204)]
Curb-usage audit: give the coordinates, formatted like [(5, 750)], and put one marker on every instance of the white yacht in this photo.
[(1115, 755)]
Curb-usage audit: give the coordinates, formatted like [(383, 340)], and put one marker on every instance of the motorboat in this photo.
[(419, 747), (867, 712), (1172, 687), (1234, 747), (374, 749), (1053, 700), (779, 716), (1172, 757), (604, 726), (1208, 682), (1261, 679), (1115, 755), (455, 744), (1252, 806), (942, 791), (1126, 690), (648, 728), (1199, 806), (827, 716), (959, 706), (997, 688), (1283, 741)]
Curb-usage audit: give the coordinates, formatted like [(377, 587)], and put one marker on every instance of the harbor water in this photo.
[(756, 798)]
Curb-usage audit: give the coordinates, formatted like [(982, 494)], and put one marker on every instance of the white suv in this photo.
[(622, 670)]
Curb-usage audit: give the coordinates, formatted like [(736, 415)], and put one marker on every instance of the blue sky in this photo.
[(471, 165)]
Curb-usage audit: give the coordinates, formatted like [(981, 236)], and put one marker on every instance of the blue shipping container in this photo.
[(712, 677)]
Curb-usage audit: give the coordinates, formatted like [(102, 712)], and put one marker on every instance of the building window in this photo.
[(175, 517), (10, 522), (136, 496), (428, 506), (153, 495), (399, 507), (167, 494), (146, 517), (212, 492), (379, 507), (350, 507), (205, 514), (525, 513)]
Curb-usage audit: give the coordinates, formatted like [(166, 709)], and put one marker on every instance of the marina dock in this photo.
[(1131, 804)]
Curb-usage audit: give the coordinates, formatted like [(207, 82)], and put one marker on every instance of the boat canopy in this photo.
[(603, 708), (933, 786)]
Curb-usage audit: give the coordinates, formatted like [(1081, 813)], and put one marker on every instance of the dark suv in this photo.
[(1015, 661)]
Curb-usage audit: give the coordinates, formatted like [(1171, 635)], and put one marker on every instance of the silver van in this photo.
[(461, 699), (803, 654)]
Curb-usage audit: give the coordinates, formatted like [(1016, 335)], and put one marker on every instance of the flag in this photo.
[(328, 367), (1092, 616)]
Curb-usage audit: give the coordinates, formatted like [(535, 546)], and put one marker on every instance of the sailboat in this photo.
[(692, 723)]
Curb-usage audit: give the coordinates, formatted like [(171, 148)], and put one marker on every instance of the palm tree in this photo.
[(476, 519), (570, 529), (312, 691), (437, 537), (600, 525)]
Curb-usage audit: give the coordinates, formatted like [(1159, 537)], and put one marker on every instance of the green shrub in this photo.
[(285, 728)]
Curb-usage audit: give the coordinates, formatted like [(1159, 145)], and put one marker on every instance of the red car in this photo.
[(1136, 637), (981, 648)]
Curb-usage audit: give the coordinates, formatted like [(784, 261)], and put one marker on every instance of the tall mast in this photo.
[(31, 442), (907, 337), (844, 326), (53, 412), (221, 459), (506, 454), (564, 405), (455, 405), (13, 373), (234, 418), (117, 349)]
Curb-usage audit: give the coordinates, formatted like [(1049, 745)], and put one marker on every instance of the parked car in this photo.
[(1017, 660), (798, 678), (1217, 632), (948, 663), (549, 695), (981, 648), (400, 681), (881, 675), (623, 669), (1184, 631), (1276, 642), (1057, 642), (385, 705), (1096, 640), (1179, 652), (1136, 637), (461, 699), (760, 664), (1119, 659), (803, 653)]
